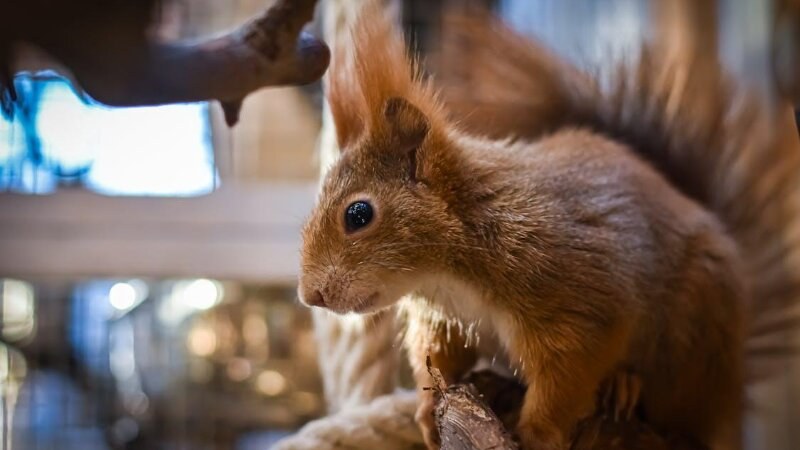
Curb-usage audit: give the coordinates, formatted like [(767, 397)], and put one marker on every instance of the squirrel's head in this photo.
[(382, 222)]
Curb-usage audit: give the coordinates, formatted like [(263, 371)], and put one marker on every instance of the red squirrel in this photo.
[(584, 230)]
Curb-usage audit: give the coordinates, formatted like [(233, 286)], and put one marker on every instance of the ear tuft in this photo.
[(407, 124)]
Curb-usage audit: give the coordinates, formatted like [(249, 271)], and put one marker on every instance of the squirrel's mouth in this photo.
[(367, 304)]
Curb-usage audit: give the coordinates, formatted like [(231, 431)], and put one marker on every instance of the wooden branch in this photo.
[(115, 63), (476, 414), (465, 422)]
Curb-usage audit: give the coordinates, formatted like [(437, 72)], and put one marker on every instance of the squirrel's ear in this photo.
[(407, 124), (408, 127)]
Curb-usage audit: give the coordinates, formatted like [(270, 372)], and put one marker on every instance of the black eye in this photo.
[(358, 215)]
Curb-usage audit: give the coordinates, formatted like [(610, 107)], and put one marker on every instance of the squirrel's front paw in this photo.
[(534, 437), (426, 421)]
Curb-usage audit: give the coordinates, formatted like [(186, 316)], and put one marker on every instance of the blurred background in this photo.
[(148, 255)]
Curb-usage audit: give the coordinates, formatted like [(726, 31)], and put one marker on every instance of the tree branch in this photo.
[(116, 66), (476, 414)]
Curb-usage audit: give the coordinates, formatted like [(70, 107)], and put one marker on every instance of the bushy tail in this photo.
[(726, 150)]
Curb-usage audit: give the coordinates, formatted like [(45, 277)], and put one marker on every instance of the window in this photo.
[(589, 34), (54, 137)]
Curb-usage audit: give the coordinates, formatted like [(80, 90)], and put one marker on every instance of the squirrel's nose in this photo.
[(316, 299)]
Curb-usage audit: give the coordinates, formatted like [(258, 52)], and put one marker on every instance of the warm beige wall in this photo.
[(275, 139)]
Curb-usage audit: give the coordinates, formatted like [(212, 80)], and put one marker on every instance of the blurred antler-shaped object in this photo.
[(108, 52)]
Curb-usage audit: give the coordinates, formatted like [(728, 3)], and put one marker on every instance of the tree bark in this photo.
[(479, 412), (117, 64)]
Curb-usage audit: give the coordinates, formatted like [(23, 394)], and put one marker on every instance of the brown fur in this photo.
[(604, 240)]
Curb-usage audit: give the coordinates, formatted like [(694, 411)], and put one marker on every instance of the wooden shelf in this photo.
[(241, 232)]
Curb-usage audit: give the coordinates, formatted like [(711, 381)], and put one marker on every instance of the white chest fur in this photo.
[(461, 305)]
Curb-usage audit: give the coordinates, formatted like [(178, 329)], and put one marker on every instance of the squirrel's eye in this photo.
[(358, 215)]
